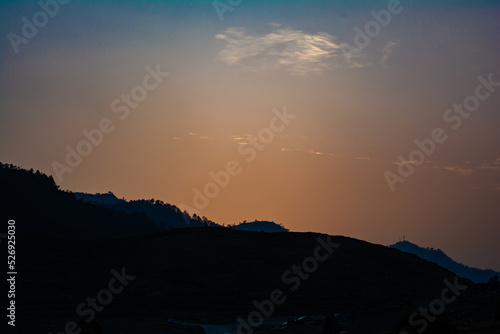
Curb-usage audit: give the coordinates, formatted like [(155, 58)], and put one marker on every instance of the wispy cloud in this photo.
[(309, 151), (291, 50), (286, 149), (387, 50), (294, 136), (459, 170), (404, 162), (485, 165), (194, 135), (490, 165), (243, 139), (315, 152)]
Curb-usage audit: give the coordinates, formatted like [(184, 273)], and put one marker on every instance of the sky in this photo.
[(370, 119)]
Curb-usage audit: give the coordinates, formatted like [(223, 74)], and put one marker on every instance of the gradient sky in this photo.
[(324, 171)]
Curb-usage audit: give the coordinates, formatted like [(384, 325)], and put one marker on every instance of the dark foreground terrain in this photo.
[(213, 276)]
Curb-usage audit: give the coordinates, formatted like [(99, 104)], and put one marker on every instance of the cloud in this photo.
[(467, 169), (310, 151), (387, 50), (197, 136), (287, 49), (490, 165), (459, 170), (242, 139), (315, 152), (455, 169), (286, 149), (245, 139), (404, 162), (355, 64), (294, 136)]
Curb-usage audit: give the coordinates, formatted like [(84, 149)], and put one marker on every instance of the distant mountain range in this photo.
[(169, 216), (40, 207), (439, 257), (165, 215)]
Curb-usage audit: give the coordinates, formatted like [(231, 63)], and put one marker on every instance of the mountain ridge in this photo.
[(170, 216), (441, 258)]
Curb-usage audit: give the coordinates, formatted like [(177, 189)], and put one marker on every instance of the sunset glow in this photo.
[(369, 119)]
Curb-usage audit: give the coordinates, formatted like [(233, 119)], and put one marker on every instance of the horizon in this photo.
[(368, 119), (401, 239)]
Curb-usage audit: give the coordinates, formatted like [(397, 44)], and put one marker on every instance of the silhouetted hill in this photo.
[(170, 216), (260, 226), (218, 273), (37, 205), (106, 199), (438, 256), (165, 215), (36, 201)]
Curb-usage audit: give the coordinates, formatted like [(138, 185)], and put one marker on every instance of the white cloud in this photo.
[(287, 49)]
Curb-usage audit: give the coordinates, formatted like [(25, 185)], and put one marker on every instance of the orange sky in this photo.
[(324, 170)]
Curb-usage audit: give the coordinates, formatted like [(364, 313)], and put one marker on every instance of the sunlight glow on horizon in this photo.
[(324, 171)]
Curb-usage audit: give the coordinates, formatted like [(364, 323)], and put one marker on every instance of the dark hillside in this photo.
[(39, 206)]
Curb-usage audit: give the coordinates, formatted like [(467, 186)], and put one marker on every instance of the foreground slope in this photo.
[(218, 274), (221, 271)]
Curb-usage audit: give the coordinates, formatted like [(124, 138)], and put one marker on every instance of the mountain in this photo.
[(105, 199), (31, 195), (170, 216), (166, 215), (438, 256), (38, 206), (260, 226)]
